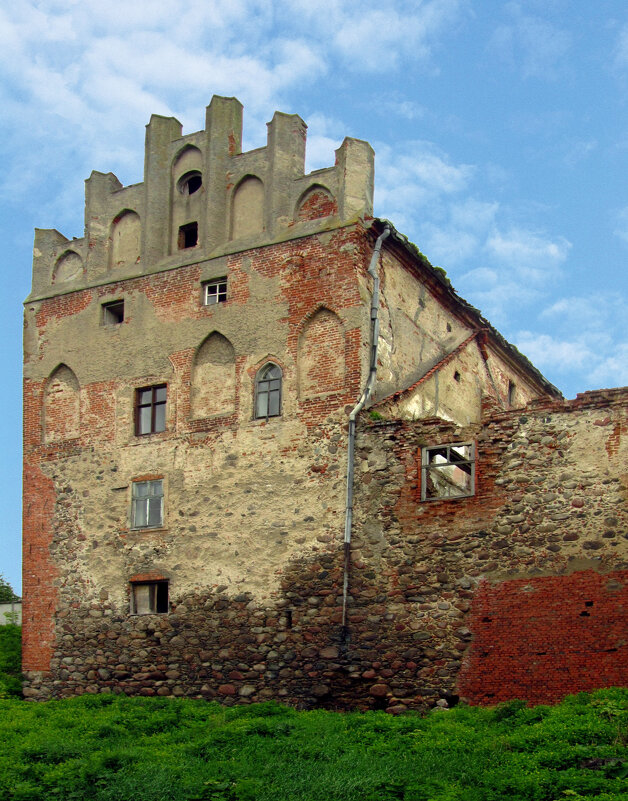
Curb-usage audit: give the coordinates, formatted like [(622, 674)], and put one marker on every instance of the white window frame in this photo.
[(449, 462), (141, 506), (215, 291)]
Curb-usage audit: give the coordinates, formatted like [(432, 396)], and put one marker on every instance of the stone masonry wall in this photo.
[(547, 524)]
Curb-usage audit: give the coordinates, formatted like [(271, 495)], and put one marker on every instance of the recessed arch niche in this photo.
[(321, 355), (126, 232), (61, 417), (213, 378), (316, 202), (69, 267), (247, 208), (186, 197)]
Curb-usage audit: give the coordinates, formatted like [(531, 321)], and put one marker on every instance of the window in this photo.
[(188, 236), (147, 504), (149, 598), (113, 313), (447, 471), (190, 183), (512, 388), (215, 291), (150, 410), (268, 391)]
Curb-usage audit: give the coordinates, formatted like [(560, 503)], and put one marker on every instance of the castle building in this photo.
[(270, 453)]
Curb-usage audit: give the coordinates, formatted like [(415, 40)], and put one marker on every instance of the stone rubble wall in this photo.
[(443, 595)]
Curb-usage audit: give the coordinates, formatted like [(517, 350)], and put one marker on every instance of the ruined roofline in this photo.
[(437, 280), (201, 197)]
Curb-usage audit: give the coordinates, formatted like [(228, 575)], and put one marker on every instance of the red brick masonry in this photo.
[(543, 638)]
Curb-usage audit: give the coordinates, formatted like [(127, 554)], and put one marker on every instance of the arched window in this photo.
[(268, 391)]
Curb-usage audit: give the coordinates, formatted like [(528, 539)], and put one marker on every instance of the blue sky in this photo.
[(500, 131)]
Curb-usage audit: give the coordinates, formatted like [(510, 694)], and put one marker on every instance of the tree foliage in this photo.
[(6, 592)]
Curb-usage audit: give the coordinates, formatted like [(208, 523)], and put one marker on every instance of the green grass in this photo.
[(113, 748)]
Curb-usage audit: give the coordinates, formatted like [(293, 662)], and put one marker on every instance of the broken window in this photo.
[(188, 236), (149, 598), (447, 471), (268, 391), (150, 410), (147, 504), (190, 183), (113, 313), (215, 291)]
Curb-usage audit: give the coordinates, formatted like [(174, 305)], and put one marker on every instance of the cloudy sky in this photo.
[(500, 131)]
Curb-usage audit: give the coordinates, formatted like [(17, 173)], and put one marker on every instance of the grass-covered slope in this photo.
[(144, 749)]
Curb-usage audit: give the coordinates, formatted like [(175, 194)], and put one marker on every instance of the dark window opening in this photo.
[(188, 236), (190, 183), (215, 291), (588, 603), (289, 618), (147, 504), (456, 376), (149, 598), (150, 410), (447, 471), (268, 391), (512, 388), (448, 327), (113, 313)]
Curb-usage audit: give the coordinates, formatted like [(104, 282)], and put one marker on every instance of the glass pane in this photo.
[(155, 487), (273, 404), (160, 394), (143, 420), (160, 417), (139, 513), (262, 404), (145, 396), (141, 489), (154, 512)]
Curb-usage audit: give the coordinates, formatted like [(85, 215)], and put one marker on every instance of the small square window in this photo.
[(147, 504), (188, 236), (149, 598), (150, 410), (447, 471), (113, 313), (215, 291)]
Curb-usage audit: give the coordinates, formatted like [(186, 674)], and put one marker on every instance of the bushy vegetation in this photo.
[(10, 661), (7, 595), (113, 748)]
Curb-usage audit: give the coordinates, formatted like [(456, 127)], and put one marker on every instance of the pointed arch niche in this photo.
[(61, 406), (321, 355), (213, 378), (126, 232), (247, 208), (316, 202), (187, 194)]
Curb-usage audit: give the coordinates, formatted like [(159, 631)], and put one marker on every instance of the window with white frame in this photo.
[(147, 504), (447, 471), (149, 597), (215, 291), (268, 391)]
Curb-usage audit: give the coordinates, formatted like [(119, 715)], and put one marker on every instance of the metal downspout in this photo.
[(366, 393)]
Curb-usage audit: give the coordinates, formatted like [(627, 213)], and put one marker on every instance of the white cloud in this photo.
[(532, 254), (536, 45), (547, 352), (612, 371)]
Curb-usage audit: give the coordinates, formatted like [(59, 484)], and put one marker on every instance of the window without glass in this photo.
[(447, 471), (268, 391), (150, 410), (149, 598), (215, 291), (113, 313), (190, 183), (188, 235), (147, 504)]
